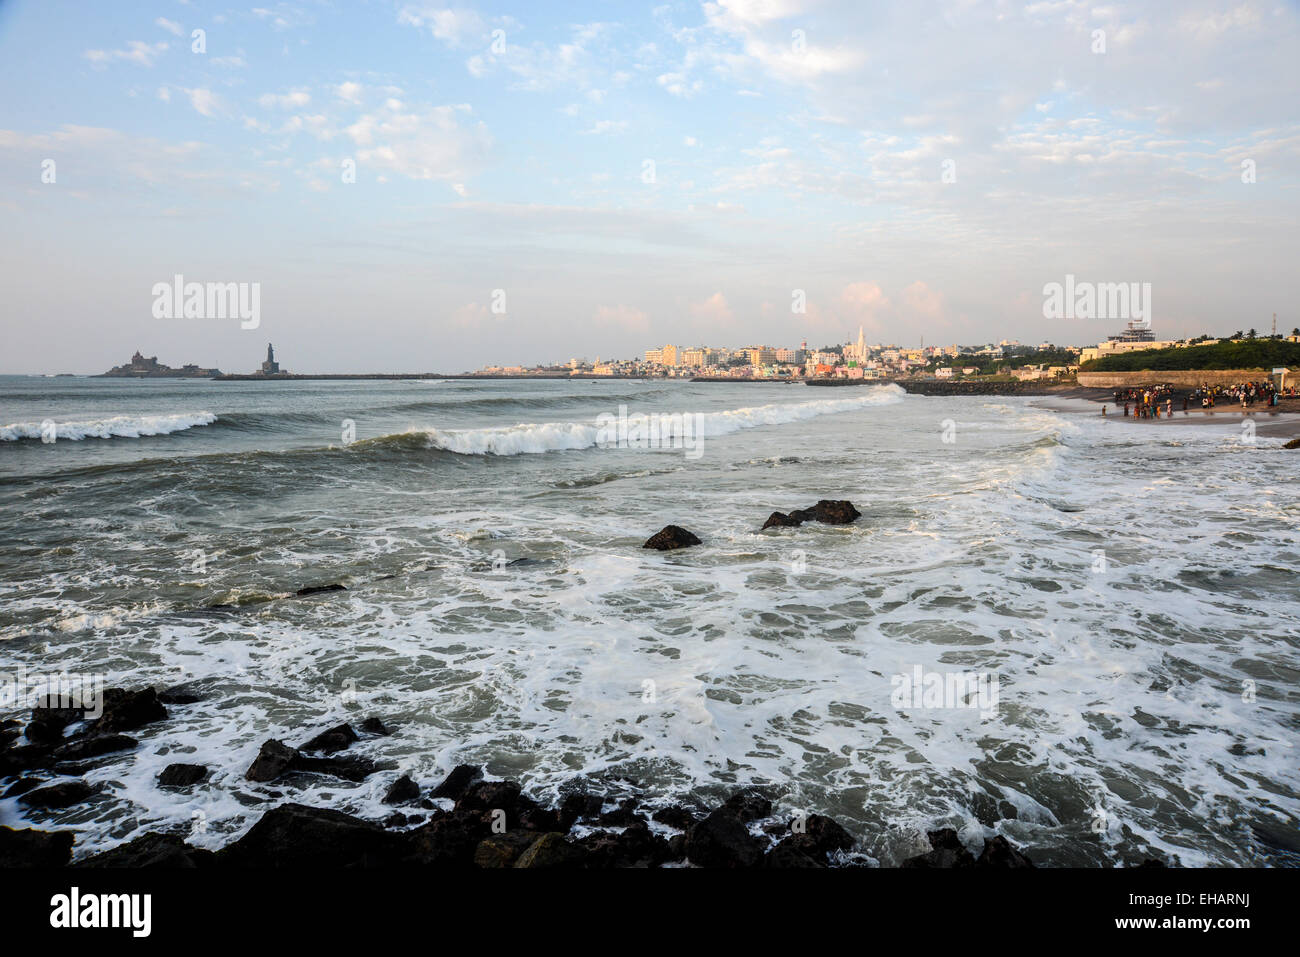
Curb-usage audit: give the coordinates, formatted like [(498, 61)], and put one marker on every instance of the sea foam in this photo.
[(118, 426)]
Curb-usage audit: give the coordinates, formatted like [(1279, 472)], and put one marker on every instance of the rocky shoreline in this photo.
[(464, 822)]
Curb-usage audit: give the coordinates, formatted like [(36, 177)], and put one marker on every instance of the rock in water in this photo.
[(272, 761), (181, 775), (947, 851), (63, 794), (827, 511), (670, 537), (128, 710), (1293, 444), (335, 739), (32, 848), (461, 777), (293, 835), (402, 791), (721, 840), (152, 850), (1000, 854)]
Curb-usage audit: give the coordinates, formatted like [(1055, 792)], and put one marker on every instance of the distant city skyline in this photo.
[(408, 186)]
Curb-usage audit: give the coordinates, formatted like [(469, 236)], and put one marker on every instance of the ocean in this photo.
[(1121, 600)]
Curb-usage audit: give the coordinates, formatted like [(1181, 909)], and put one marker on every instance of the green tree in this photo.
[(1250, 334)]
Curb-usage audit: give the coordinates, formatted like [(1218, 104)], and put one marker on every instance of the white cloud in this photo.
[(284, 101), (205, 101), (427, 145), (171, 26), (349, 93), (136, 51)]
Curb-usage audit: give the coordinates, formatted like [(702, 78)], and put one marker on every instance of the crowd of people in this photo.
[(1146, 403)]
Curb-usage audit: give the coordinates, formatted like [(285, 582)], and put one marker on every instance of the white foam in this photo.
[(118, 426)]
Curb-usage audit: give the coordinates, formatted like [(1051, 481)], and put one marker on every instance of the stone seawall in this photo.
[(1183, 379)]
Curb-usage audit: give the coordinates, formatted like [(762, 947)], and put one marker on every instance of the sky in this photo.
[(416, 187)]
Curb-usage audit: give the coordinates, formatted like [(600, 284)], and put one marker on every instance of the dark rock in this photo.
[(551, 851), (152, 850), (93, 747), (622, 816), (461, 777), (63, 794), (296, 836), (820, 837), (1152, 862), (375, 726), (449, 841), (748, 806), (577, 806), (181, 775), (670, 537), (317, 589), (128, 710), (8, 736), (179, 694), (335, 739), (272, 761), (47, 724), (396, 819), (721, 840), (635, 846), (531, 816), (490, 796), (1293, 444), (788, 855), (502, 850), (999, 853), (349, 769), (32, 848), (827, 511), (21, 786), (24, 758), (946, 851), (677, 847), (675, 816), (402, 791)]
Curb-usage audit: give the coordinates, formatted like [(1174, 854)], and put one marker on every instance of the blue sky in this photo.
[(794, 146)]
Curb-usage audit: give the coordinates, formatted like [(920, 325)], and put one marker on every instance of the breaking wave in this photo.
[(118, 426), (534, 438)]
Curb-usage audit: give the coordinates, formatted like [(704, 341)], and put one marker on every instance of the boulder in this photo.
[(722, 840), (92, 747), (999, 853), (373, 725), (296, 836), (335, 739), (152, 850), (181, 775), (502, 850), (827, 511), (461, 777), (402, 791), (820, 837), (63, 794), (577, 806), (449, 841), (21, 786), (272, 761), (32, 848), (551, 851), (491, 796), (634, 846), (749, 805), (675, 816), (1293, 444), (946, 851), (127, 710), (349, 769), (670, 537)]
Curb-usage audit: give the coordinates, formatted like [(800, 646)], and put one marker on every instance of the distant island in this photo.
[(141, 368)]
